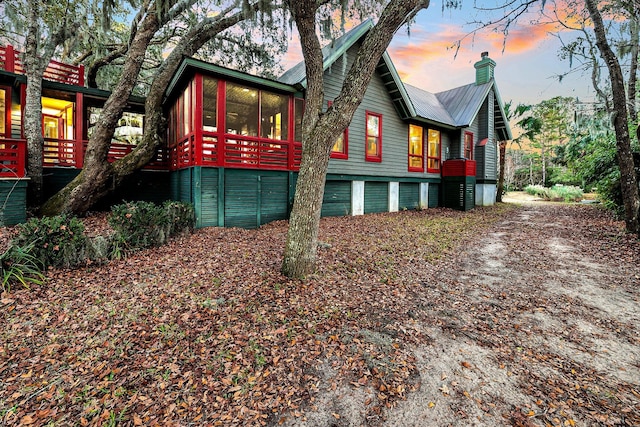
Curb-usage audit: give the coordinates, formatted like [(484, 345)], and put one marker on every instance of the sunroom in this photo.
[(234, 144)]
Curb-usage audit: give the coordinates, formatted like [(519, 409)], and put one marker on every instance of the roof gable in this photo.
[(385, 68), (455, 108), (330, 54)]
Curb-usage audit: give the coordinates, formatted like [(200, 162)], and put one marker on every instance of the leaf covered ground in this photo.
[(511, 315)]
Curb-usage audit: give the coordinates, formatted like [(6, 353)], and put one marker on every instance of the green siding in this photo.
[(434, 195), (241, 198), (409, 195), (184, 185), (208, 214), (376, 197), (13, 196), (395, 132), (274, 197), (253, 198), (459, 192), (337, 198)]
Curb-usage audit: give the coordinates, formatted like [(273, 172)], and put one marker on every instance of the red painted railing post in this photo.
[(81, 75), (9, 60)]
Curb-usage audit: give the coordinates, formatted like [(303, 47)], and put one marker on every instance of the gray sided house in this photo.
[(423, 138), (234, 140)]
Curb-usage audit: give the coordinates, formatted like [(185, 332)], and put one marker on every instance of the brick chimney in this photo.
[(484, 69)]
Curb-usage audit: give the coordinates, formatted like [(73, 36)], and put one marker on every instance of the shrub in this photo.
[(182, 217), (139, 225), (19, 266), (568, 193), (537, 191), (57, 241)]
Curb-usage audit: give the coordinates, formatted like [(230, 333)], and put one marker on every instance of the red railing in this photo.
[(182, 155), (118, 151), (62, 152), (55, 72), (13, 154), (236, 151)]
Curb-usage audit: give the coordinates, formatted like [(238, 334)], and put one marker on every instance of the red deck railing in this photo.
[(13, 154), (62, 152), (237, 152), (55, 72)]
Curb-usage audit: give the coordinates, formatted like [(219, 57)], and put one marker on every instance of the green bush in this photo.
[(19, 266), (568, 193), (139, 225), (537, 191), (182, 217), (57, 241), (60, 241)]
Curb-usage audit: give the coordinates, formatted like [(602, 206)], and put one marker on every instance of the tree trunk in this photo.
[(34, 69), (35, 140), (94, 179), (109, 177), (628, 180), (543, 156), (633, 68), (319, 132), (503, 153)]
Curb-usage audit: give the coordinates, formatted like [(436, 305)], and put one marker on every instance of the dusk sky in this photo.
[(526, 71)]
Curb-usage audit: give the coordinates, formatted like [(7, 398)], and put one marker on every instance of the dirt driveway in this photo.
[(537, 324)]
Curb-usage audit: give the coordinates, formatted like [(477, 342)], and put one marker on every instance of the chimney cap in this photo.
[(484, 54)]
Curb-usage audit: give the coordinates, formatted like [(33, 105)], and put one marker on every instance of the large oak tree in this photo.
[(620, 118), (99, 177), (320, 130)]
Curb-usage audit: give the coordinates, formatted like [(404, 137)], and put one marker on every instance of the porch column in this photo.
[(394, 194), (424, 195), (78, 130), (357, 198)]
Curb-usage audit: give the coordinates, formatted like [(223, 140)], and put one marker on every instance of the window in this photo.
[(340, 149), (4, 107), (129, 129), (468, 145), (373, 152), (186, 115), (434, 151), (274, 113), (57, 118), (242, 110), (298, 108), (209, 104), (180, 116), (416, 153)]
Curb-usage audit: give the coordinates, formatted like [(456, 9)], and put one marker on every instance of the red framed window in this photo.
[(416, 149), (373, 149), (434, 150), (5, 112), (298, 112), (340, 149), (468, 145)]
